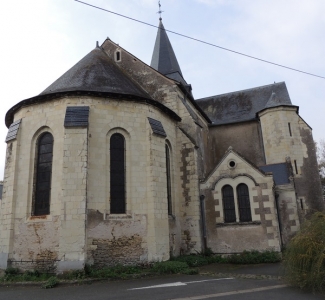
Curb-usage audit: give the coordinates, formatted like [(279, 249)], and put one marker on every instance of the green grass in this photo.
[(185, 264), (254, 257), (13, 275), (246, 257), (169, 267)]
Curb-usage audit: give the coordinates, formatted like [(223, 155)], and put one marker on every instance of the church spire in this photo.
[(159, 11), (163, 58)]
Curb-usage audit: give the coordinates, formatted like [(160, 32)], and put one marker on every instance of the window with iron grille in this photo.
[(117, 174), (228, 204), (243, 203), (43, 175), (169, 192)]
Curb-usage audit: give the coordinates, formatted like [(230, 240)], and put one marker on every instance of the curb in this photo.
[(136, 276), (243, 276)]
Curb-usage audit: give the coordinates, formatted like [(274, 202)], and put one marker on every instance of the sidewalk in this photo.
[(260, 271)]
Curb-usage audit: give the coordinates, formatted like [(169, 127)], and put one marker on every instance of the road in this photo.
[(177, 287)]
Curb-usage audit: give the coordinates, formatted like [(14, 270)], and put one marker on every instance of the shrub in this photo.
[(50, 283), (305, 255), (192, 271), (254, 257), (170, 267), (73, 275), (193, 260), (12, 271), (216, 259)]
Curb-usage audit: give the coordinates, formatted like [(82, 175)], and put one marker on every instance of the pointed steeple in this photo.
[(163, 58)]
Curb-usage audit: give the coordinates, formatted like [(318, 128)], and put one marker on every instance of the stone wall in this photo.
[(285, 134), (37, 234), (144, 226), (288, 211), (262, 232), (244, 136)]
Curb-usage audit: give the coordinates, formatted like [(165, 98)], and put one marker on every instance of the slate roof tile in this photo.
[(96, 72), (243, 105)]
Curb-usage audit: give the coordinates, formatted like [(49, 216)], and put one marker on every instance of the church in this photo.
[(116, 163)]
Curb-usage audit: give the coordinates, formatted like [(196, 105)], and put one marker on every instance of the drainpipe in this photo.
[(276, 198), (204, 232)]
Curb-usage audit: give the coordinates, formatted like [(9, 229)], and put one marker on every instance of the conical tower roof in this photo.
[(276, 100), (164, 59), (96, 72)]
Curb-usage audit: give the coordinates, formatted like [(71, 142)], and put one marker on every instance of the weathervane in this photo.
[(159, 11)]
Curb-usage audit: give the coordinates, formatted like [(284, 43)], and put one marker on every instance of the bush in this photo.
[(192, 271), (12, 271), (216, 259), (73, 275), (50, 283), (305, 255), (193, 260), (170, 267), (254, 257)]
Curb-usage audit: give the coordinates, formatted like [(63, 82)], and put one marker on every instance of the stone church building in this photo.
[(116, 162)]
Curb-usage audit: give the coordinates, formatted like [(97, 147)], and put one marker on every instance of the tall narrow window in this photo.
[(169, 190), (289, 126), (117, 174), (243, 203), (43, 174), (296, 168), (228, 204)]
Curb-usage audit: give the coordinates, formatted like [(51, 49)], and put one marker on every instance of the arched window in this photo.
[(169, 189), (43, 174), (243, 203), (228, 204), (117, 174)]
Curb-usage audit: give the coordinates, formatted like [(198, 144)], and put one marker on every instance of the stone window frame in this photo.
[(118, 55), (234, 182), (35, 141), (128, 204)]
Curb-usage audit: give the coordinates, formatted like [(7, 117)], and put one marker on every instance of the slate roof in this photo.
[(280, 172), (163, 57), (94, 75), (96, 72), (243, 105)]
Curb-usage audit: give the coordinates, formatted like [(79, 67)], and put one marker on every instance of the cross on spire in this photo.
[(159, 11)]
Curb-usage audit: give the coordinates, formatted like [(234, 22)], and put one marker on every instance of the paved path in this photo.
[(237, 286), (178, 287)]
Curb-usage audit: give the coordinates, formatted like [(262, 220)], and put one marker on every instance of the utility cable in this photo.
[(201, 41)]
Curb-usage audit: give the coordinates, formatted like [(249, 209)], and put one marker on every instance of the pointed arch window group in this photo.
[(243, 202)]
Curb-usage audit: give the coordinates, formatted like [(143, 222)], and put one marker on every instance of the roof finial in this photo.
[(159, 11)]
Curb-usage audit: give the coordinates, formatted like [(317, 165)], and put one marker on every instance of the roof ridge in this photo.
[(245, 90)]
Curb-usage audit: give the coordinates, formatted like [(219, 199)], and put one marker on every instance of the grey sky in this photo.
[(41, 39)]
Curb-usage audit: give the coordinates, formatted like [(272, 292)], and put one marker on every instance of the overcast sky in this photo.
[(41, 39)]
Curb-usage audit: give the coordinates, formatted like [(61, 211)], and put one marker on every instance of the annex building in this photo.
[(116, 162)]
